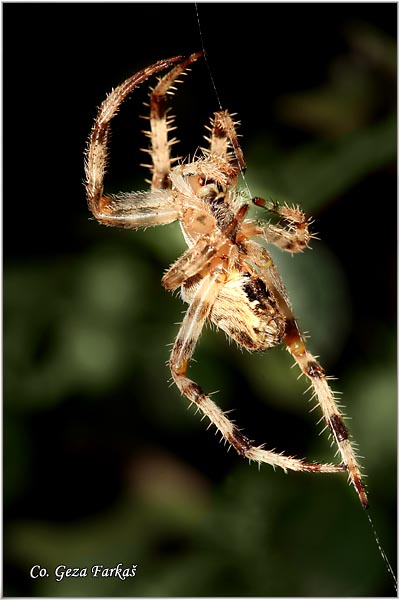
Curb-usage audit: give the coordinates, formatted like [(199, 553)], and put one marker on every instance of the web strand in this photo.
[(242, 173), (382, 552), (206, 57)]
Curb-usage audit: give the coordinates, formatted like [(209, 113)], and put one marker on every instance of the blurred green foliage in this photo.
[(104, 464)]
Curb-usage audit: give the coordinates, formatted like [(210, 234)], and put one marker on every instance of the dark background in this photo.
[(103, 463)]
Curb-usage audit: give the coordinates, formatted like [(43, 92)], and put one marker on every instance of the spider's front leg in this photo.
[(141, 209), (223, 137), (160, 125), (193, 322), (96, 153)]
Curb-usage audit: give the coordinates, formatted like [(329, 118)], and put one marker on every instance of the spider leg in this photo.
[(133, 210), (223, 135), (193, 322), (192, 261), (309, 365), (293, 237), (311, 368), (96, 152), (197, 259), (161, 125)]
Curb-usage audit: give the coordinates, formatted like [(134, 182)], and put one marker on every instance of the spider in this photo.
[(225, 275)]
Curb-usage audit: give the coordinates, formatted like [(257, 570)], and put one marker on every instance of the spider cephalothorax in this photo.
[(225, 276)]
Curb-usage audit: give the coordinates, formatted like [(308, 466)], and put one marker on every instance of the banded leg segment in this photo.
[(195, 318), (192, 261), (161, 125), (310, 367), (196, 260), (223, 135), (96, 153), (325, 397)]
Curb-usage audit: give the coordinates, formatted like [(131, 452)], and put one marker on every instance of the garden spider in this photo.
[(225, 276)]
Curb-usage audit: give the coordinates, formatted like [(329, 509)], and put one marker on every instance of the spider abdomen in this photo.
[(248, 313)]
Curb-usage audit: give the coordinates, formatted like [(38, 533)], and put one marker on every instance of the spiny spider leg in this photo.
[(311, 368), (190, 263), (96, 153), (324, 395), (161, 125), (223, 135), (197, 259), (193, 322), (134, 210)]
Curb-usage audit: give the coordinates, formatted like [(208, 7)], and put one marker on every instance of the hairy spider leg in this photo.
[(192, 325), (310, 367), (213, 277), (161, 124), (134, 210), (96, 153), (223, 135), (294, 238), (192, 261), (334, 419)]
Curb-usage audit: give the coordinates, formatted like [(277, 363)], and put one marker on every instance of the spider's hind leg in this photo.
[(310, 367), (195, 318), (324, 395)]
